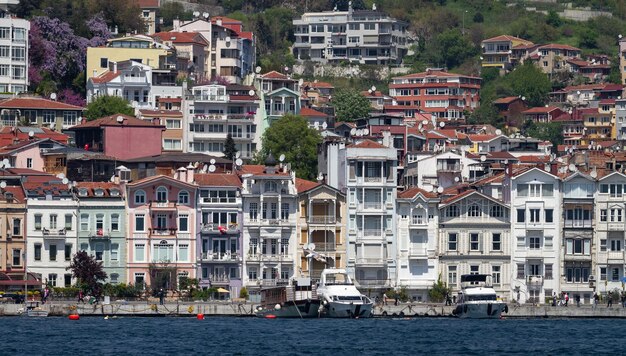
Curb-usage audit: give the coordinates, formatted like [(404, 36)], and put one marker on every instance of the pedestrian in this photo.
[(46, 293), (577, 298), (396, 300), (81, 296), (596, 299), (554, 299), (623, 299), (384, 298), (609, 300), (377, 300), (161, 296), (566, 299)]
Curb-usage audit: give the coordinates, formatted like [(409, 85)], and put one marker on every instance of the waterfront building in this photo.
[(219, 246), (371, 177), (356, 36), (418, 222), (474, 238), (161, 237), (102, 226), (14, 42), (51, 230), (535, 234), (269, 225), (321, 229), (13, 240)]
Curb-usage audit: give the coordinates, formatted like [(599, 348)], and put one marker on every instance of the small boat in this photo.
[(33, 309), (477, 298), (296, 300), (339, 296)]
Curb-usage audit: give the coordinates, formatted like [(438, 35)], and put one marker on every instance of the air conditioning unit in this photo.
[(592, 278)]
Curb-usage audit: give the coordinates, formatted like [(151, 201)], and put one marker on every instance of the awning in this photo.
[(222, 290)]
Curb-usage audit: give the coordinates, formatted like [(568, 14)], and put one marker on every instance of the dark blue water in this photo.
[(252, 336)]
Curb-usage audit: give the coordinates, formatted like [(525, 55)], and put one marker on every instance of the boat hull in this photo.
[(348, 310), (37, 313), (480, 310), (297, 309)]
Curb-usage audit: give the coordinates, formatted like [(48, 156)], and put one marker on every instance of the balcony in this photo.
[(418, 253), (615, 256), (371, 261), (276, 258), (615, 227), (100, 234), (372, 205), (219, 279), (579, 224), (53, 234), (418, 223), (162, 231), (219, 200), (321, 219), (277, 222), (162, 205), (449, 168), (373, 283), (219, 229), (576, 257), (220, 257), (535, 282), (325, 246), (274, 282), (211, 98)]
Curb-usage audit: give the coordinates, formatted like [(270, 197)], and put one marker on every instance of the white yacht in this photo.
[(340, 298), (477, 298)]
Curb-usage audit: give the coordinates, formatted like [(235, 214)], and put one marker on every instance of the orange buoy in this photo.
[(200, 316), (74, 317), (270, 316)]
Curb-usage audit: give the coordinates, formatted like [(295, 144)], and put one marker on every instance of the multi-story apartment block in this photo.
[(443, 94), (13, 222), (269, 225), (580, 246), (102, 226), (609, 240), (279, 95), (191, 49), (552, 58), (216, 110), (169, 114), (359, 36), (51, 230), (474, 238), (13, 53), (219, 247), (503, 51), (620, 119), (149, 10), (321, 228), (138, 83), (161, 237), (417, 238), (371, 189), (36, 111), (535, 234)]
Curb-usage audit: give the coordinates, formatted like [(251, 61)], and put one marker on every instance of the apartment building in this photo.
[(356, 36), (503, 51), (371, 189), (13, 242), (13, 53), (553, 57), (36, 111), (443, 94), (279, 94)]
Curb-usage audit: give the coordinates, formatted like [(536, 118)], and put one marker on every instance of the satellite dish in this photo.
[(316, 124), (212, 168), (239, 161), (60, 175), (65, 180), (594, 174), (257, 70), (456, 179), (498, 132), (366, 132), (359, 132), (312, 246), (373, 88), (483, 158), (205, 15), (324, 125), (442, 124), (251, 92), (53, 96), (31, 134), (506, 161), (120, 119), (523, 98), (320, 176), (212, 161), (572, 167), (546, 168), (205, 168), (227, 39), (353, 131), (196, 13), (282, 157), (560, 160), (439, 190), (425, 122), (3, 184), (419, 127)]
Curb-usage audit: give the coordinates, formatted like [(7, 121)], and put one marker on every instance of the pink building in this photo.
[(162, 230), (120, 136)]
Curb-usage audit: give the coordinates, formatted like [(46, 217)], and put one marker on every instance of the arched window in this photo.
[(140, 197), (183, 197), (161, 194)]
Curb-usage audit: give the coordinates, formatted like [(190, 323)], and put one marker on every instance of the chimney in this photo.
[(554, 168), (509, 169), (191, 170), (176, 25), (114, 67)]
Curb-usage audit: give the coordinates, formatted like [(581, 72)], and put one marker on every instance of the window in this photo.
[(473, 211), (163, 252), (183, 197), (104, 63), (140, 197), (115, 278), (496, 242), (172, 124), (603, 273), (18, 54), (270, 186), (497, 211), (68, 252), (5, 32), (252, 274), (183, 253), (70, 118), (161, 194), (614, 274), (495, 275), (37, 252), (37, 221), (84, 222), (548, 271), (53, 252), (140, 279), (115, 222), (452, 241), (115, 251), (521, 215), (253, 211), (284, 211), (452, 211), (161, 221), (603, 214), (29, 163), (17, 227), (549, 215), (140, 221), (68, 221), (183, 223), (520, 271), (284, 247), (171, 144), (49, 117), (99, 249), (140, 252), (534, 215), (452, 275), (100, 223), (534, 242), (616, 215), (52, 279), (603, 245), (616, 245), (474, 242), (53, 221)]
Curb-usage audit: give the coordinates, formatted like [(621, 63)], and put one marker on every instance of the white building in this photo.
[(536, 235), (441, 170), (371, 190), (269, 225), (417, 217), (13, 52), (51, 231)]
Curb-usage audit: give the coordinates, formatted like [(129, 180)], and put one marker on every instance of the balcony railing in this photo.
[(372, 283), (220, 257), (535, 282), (163, 205), (372, 205), (274, 282), (325, 246), (373, 232), (100, 234), (374, 261), (219, 229), (219, 278), (162, 231), (418, 252), (222, 200), (321, 219), (578, 223), (615, 255), (54, 233)]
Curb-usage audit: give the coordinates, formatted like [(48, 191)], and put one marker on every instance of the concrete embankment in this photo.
[(191, 309)]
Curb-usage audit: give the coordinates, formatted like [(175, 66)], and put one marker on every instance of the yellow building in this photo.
[(501, 51), (321, 242), (138, 48)]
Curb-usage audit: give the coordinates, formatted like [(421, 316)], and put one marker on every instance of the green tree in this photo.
[(88, 272), (530, 82), (108, 105), (553, 19), (291, 135), (350, 105), (547, 131), (588, 38), (450, 49), (230, 150), (438, 291), (173, 10)]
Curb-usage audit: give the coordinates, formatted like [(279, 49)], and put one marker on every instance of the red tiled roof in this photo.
[(274, 75), (482, 138), (18, 193), (8, 135), (505, 38), (181, 37), (413, 192), (610, 87), (303, 185), (217, 179), (128, 121), (558, 46), (258, 169), (36, 103), (105, 77), (578, 62), (247, 35), (434, 73), (349, 124), (540, 109), (170, 100), (311, 113), (225, 20), (366, 144), (507, 100), (458, 196), (324, 85), (534, 159)]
